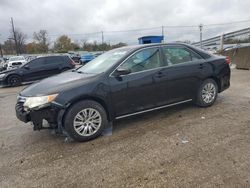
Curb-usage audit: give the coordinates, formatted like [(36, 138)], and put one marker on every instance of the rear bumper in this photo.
[(225, 81)]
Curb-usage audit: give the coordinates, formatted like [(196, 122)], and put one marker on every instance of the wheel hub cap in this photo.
[(87, 122), (208, 93)]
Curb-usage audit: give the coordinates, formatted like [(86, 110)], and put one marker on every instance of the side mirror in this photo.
[(122, 71), (26, 67)]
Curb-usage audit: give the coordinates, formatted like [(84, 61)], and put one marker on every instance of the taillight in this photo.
[(72, 62), (228, 60)]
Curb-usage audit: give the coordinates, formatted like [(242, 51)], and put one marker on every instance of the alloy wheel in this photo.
[(208, 93), (87, 122)]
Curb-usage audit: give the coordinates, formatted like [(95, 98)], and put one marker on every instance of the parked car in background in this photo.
[(39, 68), (30, 57), (1, 59), (86, 58), (3, 65), (15, 62), (121, 83), (96, 54), (76, 57), (2, 62)]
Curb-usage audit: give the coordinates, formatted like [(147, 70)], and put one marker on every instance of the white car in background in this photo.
[(15, 62)]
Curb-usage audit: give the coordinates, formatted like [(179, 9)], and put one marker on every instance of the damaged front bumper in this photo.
[(52, 114)]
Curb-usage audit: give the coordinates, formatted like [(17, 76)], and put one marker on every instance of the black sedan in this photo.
[(121, 83)]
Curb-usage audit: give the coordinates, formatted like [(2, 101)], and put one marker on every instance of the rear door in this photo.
[(53, 65), (182, 74)]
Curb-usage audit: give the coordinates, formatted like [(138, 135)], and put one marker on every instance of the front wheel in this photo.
[(207, 93), (14, 80), (85, 120)]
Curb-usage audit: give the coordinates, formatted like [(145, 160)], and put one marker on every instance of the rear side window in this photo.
[(67, 59), (36, 63), (17, 63), (57, 60), (177, 55)]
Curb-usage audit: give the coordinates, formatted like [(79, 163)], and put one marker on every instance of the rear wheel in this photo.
[(85, 120), (65, 69), (207, 93), (14, 80)]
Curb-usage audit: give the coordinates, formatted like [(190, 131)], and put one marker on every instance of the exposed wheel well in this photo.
[(13, 75)]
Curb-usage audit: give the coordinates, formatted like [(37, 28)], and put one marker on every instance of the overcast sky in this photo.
[(78, 17)]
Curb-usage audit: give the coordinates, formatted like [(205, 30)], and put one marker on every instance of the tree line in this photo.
[(41, 44)]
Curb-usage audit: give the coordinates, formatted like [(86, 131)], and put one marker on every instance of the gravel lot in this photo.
[(183, 146)]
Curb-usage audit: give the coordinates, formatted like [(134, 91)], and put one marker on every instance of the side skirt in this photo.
[(152, 109)]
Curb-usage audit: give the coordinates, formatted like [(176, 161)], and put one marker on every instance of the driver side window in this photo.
[(143, 60)]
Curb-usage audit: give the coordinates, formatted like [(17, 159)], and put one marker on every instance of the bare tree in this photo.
[(20, 37), (43, 41), (9, 47), (63, 44)]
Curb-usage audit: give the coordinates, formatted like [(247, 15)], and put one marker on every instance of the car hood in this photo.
[(58, 83), (8, 71)]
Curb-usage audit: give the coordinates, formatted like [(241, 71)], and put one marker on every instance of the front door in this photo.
[(34, 70), (136, 91)]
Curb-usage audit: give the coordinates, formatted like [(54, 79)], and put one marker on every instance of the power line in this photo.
[(154, 28), (134, 30), (227, 23), (93, 33)]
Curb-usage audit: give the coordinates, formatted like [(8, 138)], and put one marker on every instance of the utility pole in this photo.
[(162, 33), (201, 28), (1, 51), (14, 35), (222, 42), (102, 37), (102, 41)]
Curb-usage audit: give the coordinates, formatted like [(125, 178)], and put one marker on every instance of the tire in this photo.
[(14, 80), (77, 122), (207, 93)]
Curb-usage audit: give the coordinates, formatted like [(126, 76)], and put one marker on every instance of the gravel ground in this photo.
[(182, 146)]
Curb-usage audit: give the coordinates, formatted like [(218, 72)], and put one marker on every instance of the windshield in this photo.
[(16, 58), (103, 62)]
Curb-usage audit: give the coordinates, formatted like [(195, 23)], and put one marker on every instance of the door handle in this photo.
[(201, 66), (159, 75)]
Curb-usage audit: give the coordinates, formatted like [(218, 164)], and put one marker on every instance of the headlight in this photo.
[(32, 102), (2, 75)]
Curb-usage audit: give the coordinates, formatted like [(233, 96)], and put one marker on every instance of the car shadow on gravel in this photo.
[(167, 114), (140, 119)]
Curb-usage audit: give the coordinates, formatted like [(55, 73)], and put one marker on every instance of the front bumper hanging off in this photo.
[(37, 117)]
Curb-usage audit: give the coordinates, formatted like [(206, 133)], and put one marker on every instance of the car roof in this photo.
[(138, 46), (141, 46), (53, 55)]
